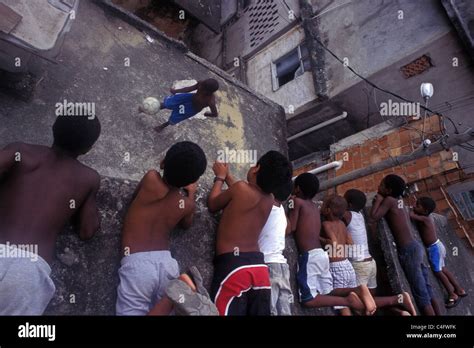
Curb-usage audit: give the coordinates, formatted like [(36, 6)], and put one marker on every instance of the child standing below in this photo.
[(436, 249), (389, 204), (362, 262), (185, 105), (241, 282), (272, 243), (159, 205)]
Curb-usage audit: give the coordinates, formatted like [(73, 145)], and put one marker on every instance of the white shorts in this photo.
[(313, 274), (25, 284)]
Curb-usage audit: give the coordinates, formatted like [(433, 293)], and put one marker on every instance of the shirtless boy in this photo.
[(185, 105), (241, 282), (41, 189), (314, 278), (160, 204), (389, 204), (436, 249), (340, 246)]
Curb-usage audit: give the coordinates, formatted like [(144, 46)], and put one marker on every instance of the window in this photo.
[(290, 66), (462, 195)]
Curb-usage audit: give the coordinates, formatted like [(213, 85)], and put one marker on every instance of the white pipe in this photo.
[(336, 165), (319, 126)]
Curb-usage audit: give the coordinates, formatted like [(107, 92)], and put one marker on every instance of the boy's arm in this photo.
[(325, 236), (185, 89), (414, 216), (380, 207), (213, 112), (88, 216), (7, 157), (218, 199), (288, 226), (347, 217), (294, 213), (190, 207), (230, 180)]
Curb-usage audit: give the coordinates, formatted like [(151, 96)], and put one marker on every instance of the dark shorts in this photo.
[(411, 259), (181, 105), (241, 284)]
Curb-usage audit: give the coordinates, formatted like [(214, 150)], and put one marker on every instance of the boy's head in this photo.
[(424, 206), (209, 86), (334, 206), (283, 191), (184, 163), (271, 172), (306, 186), (355, 199), (75, 134), (392, 185)]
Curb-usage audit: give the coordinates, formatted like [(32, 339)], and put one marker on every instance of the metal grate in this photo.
[(416, 67), (263, 19)]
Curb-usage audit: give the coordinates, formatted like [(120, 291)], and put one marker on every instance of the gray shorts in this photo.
[(281, 296), (144, 277), (25, 284)]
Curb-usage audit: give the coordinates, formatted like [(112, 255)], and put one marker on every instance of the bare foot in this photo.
[(407, 303), (189, 282), (159, 129), (355, 303), (367, 299), (461, 293)]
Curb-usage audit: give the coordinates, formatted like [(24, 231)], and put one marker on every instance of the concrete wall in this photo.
[(370, 35), (258, 22), (259, 73)]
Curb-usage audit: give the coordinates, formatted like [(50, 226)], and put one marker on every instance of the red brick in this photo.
[(453, 176)]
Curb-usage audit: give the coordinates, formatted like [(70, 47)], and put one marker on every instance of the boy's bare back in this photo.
[(336, 234), (243, 218), (305, 219), (394, 212), (154, 212), (41, 192)]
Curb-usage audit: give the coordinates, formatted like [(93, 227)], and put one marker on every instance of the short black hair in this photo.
[(356, 199), (395, 184), (427, 203), (308, 184), (275, 170), (184, 163), (337, 204), (210, 85), (76, 134), (283, 191)]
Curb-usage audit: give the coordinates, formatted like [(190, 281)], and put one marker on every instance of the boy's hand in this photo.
[(209, 114), (191, 188), (220, 169)]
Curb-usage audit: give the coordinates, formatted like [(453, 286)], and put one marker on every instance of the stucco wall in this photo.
[(259, 73)]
